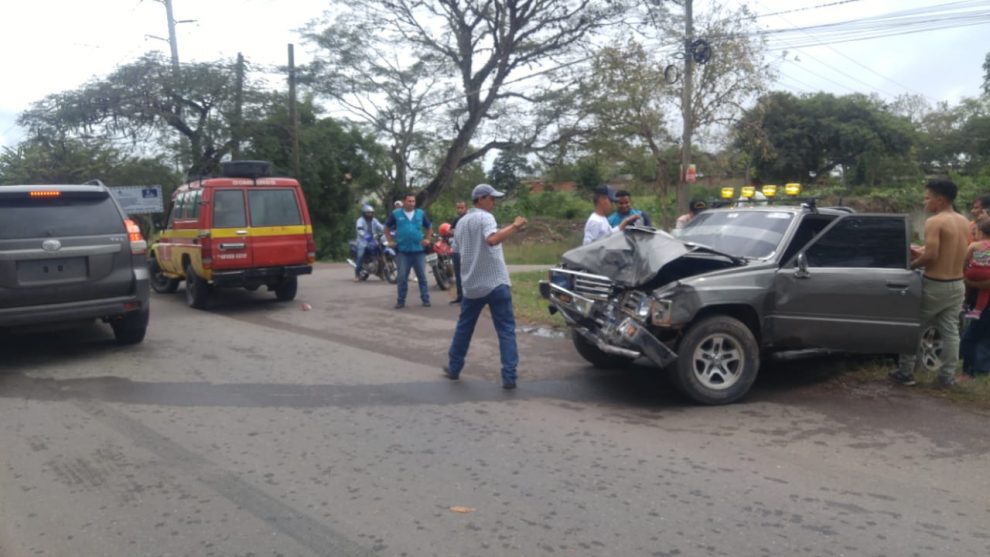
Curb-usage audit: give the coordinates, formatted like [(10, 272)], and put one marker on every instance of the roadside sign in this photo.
[(139, 199)]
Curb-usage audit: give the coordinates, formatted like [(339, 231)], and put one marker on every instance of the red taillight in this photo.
[(310, 250), (138, 245), (206, 250), (45, 193)]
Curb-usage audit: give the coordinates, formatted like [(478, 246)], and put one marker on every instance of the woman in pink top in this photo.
[(978, 262)]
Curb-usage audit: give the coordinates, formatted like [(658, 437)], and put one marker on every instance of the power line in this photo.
[(830, 4)]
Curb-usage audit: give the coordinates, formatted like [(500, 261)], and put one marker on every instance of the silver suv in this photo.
[(738, 284), (69, 254)]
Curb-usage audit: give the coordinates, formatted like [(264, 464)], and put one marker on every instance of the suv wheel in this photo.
[(930, 349), (159, 282), (130, 328), (717, 361), (594, 356), (286, 290), (197, 289)]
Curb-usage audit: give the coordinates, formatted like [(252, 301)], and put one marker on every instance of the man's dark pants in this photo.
[(417, 262), (500, 302), (457, 274)]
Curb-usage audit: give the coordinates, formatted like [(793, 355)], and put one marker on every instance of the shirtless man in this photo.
[(942, 257)]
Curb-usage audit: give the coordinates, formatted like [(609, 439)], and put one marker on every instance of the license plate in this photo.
[(431, 258), (51, 270)]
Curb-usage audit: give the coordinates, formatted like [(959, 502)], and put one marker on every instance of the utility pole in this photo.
[(687, 114), (172, 43), (236, 127), (293, 113)]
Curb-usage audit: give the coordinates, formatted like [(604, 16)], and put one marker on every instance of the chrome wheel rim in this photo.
[(718, 361), (931, 349)]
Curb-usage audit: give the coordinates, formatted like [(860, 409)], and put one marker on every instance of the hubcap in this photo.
[(718, 361), (931, 349)]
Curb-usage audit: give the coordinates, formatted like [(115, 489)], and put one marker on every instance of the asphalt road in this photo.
[(263, 428)]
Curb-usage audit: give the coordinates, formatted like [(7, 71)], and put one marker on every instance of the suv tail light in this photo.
[(138, 245), (310, 249), (206, 249)]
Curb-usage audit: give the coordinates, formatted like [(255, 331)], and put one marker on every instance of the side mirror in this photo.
[(801, 263)]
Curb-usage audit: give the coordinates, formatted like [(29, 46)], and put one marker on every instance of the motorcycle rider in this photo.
[(368, 228)]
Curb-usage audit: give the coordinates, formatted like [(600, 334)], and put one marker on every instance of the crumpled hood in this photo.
[(630, 258)]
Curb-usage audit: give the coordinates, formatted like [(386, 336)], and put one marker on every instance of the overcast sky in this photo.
[(55, 45)]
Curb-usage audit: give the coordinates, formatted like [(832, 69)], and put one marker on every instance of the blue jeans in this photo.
[(362, 250), (457, 274), (974, 347), (500, 302), (417, 262)]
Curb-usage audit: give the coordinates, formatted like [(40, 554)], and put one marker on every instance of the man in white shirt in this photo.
[(597, 226)]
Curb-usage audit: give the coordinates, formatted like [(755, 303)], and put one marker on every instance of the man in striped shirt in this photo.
[(485, 281)]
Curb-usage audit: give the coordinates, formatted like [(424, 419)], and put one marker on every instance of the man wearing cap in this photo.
[(624, 208), (694, 207), (597, 226), (368, 228), (412, 231), (485, 280)]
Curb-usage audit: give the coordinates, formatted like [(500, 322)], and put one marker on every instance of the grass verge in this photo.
[(529, 307), (535, 254)]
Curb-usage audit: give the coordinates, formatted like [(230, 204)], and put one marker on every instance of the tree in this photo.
[(391, 97), (339, 164), (507, 171), (480, 45), (719, 82), (986, 74), (146, 101), (73, 161), (791, 138)]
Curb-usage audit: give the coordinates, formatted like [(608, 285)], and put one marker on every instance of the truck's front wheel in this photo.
[(596, 357), (717, 361)]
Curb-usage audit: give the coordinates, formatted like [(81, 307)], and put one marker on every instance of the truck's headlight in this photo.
[(563, 280), (660, 312)]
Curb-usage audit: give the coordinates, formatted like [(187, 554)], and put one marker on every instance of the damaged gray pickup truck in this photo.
[(737, 285)]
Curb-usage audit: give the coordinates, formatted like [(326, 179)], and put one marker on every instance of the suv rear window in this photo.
[(70, 214), (274, 207)]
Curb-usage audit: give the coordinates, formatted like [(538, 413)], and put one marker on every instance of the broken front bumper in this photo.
[(606, 327)]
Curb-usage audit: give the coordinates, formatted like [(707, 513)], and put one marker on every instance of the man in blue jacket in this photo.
[(413, 231), (368, 228)]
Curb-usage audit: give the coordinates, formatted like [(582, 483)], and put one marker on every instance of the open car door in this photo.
[(851, 288)]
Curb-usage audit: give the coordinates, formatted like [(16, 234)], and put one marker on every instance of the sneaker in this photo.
[(899, 376), (457, 301), (446, 373), (356, 279), (426, 304), (400, 305), (508, 386), (944, 382)]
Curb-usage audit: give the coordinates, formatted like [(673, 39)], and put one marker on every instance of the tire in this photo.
[(440, 274), (717, 361), (930, 349), (391, 270), (197, 289), (286, 290), (596, 357), (130, 328), (159, 282)]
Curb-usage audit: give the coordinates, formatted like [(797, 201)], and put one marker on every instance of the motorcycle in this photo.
[(379, 260), (440, 258)]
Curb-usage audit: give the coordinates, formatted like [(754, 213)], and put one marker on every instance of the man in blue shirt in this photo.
[(413, 231), (623, 206)]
